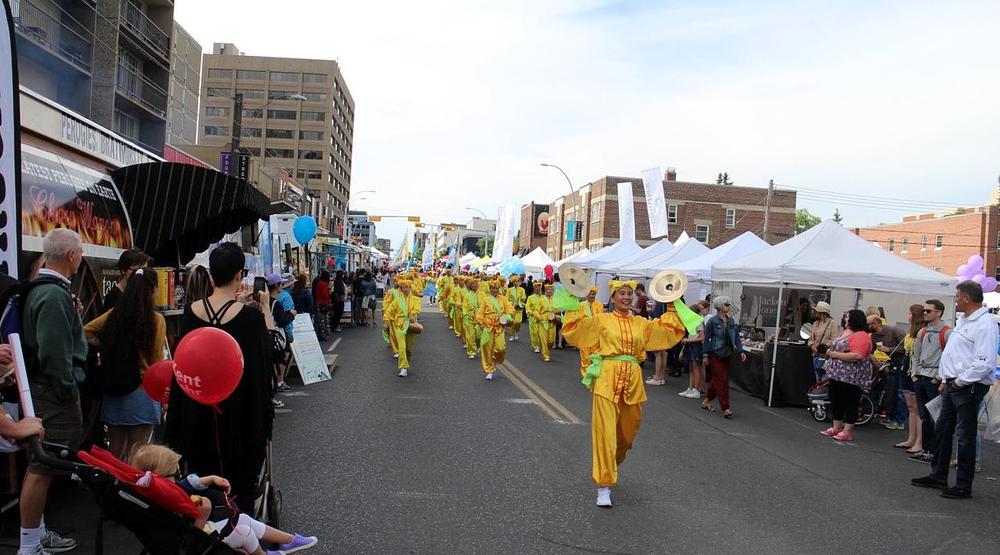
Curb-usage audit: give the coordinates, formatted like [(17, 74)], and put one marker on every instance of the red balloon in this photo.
[(157, 379), (549, 272), (208, 365)]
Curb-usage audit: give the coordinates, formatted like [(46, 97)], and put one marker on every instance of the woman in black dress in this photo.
[(232, 441)]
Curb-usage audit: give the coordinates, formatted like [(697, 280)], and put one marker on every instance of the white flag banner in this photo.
[(626, 213), (503, 243), (656, 205)]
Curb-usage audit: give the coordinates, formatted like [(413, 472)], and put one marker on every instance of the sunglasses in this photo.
[(929, 310)]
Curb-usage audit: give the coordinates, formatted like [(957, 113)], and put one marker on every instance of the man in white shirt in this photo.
[(966, 372)]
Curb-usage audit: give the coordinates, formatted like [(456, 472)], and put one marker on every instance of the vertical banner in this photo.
[(503, 241), (656, 205), (626, 213), (10, 152)]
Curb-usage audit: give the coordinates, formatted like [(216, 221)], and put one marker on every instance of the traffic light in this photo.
[(448, 228), (413, 218), (374, 218), (418, 224)]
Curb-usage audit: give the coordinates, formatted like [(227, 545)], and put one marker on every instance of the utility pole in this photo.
[(767, 210)]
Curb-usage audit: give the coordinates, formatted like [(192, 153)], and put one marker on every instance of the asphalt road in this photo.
[(445, 462)]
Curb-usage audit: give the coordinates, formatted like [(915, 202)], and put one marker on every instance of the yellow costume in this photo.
[(470, 330), (616, 378), (493, 345), (455, 309), (542, 312), (534, 326), (398, 314), (590, 309), (516, 297)]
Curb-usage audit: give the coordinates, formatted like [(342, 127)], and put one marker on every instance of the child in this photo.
[(247, 533)]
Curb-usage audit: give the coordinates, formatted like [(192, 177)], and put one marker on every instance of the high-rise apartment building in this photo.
[(362, 229), (297, 114), (108, 60), (185, 75)]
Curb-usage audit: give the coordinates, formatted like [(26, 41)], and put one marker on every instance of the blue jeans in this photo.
[(959, 416), (926, 391)]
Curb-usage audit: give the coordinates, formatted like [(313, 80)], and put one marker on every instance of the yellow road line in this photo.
[(568, 414), (534, 398)]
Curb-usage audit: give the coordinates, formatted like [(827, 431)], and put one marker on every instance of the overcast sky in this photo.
[(459, 101)]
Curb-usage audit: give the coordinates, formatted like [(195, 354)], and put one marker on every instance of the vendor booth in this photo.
[(660, 248), (573, 257), (535, 262), (649, 267), (776, 288), (699, 268)]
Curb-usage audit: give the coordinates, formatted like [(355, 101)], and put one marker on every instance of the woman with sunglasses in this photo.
[(721, 343)]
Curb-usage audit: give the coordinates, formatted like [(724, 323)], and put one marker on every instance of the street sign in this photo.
[(374, 218), (418, 224), (243, 170), (413, 218)]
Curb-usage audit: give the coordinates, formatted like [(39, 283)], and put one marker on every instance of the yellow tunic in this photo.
[(470, 331), (492, 341), (590, 309), (397, 314), (516, 297)]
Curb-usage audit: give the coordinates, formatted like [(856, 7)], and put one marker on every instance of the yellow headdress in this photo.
[(549, 286), (593, 289), (615, 285), (403, 283)]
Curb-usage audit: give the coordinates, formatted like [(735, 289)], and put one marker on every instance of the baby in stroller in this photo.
[(210, 493)]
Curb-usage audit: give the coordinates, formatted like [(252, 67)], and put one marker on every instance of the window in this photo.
[(892, 245), (937, 268), (220, 73), (310, 135), (923, 242), (281, 114), (996, 274), (730, 218), (998, 239), (310, 174), (216, 130), (124, 124), (314, 96), (279, 95), (251, 150), (251, 132), (251, 75), (906, 245), (215, 91), (938, 241), (701, 233), (595, 211), (671, 213), (284, 76), (215, 111), (250, 93), (280, 134), (314, 78), (252, 113), (280, 153), (310, 155), (313, 116)]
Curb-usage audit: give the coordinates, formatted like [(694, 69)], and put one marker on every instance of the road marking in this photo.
[(295, 394), (531, 395), (568, 414), (518, 401), (333, 345)]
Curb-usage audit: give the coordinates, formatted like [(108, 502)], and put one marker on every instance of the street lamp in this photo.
[(572, 193), (347, 211), (486, 240)]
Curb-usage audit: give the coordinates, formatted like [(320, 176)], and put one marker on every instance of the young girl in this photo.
[(247, 533)]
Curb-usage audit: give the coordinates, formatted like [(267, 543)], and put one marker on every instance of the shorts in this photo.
[(906, 383), (63, 422), (367, 300)]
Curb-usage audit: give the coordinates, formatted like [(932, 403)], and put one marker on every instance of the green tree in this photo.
[(723, 179), (481, 246), (836, 215), (804, 220), (418, 254)]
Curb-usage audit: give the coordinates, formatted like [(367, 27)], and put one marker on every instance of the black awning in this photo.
[(178, 210)]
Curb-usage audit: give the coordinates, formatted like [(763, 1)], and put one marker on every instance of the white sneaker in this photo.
[(685, 393), (695, 394), (516, 337), (603, 497), (403, 373), (548, 360), (472, 356), (511, 339), (449, 327), (537, 351), (54, 543), (650, 381), (489, 377), (395, 355)]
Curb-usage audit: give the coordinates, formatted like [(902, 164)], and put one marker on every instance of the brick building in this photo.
[(943, 241), (531, 234), (710, 213)]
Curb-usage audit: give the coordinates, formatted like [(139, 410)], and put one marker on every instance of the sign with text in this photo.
[(308, 353), (656, 205), (10, 146)]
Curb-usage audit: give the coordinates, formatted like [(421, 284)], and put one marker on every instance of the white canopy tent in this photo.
[(830, 256), (377, 253), (536, 261), (683, 238), (571, 258), (699, 268), (650, 266), (659, 248), (467, 258), (617, 251)]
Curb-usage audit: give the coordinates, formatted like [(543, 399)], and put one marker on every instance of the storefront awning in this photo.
[(178, 210)]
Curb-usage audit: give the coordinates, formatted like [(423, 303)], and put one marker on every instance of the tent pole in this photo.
[(774, 352)]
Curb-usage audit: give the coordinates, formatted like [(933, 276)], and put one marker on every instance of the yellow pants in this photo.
[(612, 428), (536, 339), (541, 338), (514, 328), (493, 351), (406, 341), (470, 336)]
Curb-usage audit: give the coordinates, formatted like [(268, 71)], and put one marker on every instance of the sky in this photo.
[(875, 108)]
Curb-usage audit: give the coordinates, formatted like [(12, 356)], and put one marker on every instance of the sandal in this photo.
[(912, 452), (727, 413), (903, 445), (708, 407)]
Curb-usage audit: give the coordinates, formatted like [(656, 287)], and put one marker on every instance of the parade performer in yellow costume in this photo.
[(516, 297), (444, 290), (544, 315), (614, 376), (457, 303), (402, 310), (531, 308), (494, 312), (591, 307), (470, 306)]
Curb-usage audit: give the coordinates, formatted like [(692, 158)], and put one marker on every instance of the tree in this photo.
[(481, 246), (836, 215), (418, 254), (723, 179), (804, 220)]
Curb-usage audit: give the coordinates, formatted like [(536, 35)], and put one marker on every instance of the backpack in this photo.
[(942, 336), (13, 294)]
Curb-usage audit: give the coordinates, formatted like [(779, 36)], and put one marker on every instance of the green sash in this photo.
[(594, 370), (401, 300), (485, 337), (474, 297)]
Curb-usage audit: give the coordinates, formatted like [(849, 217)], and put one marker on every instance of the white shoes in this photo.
[(548, 360), (690, 393), (516, 338), (472, 356), (395, 355), (537, 351), (511, 339), (651, 381), (489, 377), (403, 373), (603, 497)]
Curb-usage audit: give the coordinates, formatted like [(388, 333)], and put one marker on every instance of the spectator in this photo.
[(27, 426), (720, 344), (915, 319), (967, 370), (339, 297), (283, 312), (230, 440), (357, 295), (368, 303), (130, 337), (129, 261), (381, 282), (927, 351), (55, 354), (888, 339), (302, 295), (849, 371), (321, 295), (694, 346), (824, 331)]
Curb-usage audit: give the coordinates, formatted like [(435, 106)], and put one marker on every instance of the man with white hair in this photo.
[(55, 353)]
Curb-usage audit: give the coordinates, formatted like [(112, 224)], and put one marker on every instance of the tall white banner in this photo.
[(626, 213), (10, 147), (503, 241), (656, 205)]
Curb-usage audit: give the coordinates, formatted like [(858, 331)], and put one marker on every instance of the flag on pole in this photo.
[(656, 205), (626, 213)]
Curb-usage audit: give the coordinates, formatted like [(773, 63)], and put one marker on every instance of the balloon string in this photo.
[(218, 440)]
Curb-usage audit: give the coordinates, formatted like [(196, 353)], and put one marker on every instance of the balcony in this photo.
[(60, 35), (139, 89), (142, 27)]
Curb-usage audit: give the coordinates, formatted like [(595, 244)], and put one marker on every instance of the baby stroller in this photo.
[(819, 401)]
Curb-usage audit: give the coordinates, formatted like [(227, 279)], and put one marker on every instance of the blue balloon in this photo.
[(304, 229)]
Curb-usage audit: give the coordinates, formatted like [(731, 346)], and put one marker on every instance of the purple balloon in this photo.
[(979, 278), (962, 269), (989, 285), (976, 261)]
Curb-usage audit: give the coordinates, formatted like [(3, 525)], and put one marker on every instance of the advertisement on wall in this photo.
[(9, 148), (540, 217)]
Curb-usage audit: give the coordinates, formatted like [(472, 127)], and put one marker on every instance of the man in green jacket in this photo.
[(55, 353)]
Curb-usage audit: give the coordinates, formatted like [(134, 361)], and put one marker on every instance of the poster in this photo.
[(540, 217), (759, 308), (10, 235), (308, 353)]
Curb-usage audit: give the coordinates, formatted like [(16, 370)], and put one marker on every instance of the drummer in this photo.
[(494, 313), (399, 313)]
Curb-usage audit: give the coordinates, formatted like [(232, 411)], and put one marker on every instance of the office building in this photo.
[(362, 230), (384, 245), (466, 236), (107, 60), (297, 114), (185, 80)]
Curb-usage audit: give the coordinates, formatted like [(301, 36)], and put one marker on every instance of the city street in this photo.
[(445, 462)]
